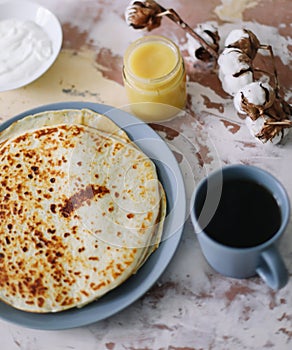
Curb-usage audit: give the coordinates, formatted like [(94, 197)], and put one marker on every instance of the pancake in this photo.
[(81, 210)]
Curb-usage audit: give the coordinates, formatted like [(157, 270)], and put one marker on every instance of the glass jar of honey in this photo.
[(154, 78)]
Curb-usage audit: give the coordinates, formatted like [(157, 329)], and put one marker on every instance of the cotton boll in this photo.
[(233, 61), (209, 33), (237, 101), (130, 12), (193, 45), (234, 36), (231, 84), (143, 15), (256, 126), (259, 93), (234, 70), (254, 98), (244, 40)]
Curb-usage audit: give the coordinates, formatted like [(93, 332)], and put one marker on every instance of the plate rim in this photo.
[(56, 42), (167, 247)]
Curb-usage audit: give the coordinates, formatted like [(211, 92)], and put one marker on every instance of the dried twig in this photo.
[(147, 14), (171, 14)]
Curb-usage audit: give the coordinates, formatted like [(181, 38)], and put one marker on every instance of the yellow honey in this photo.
[(154, 78)]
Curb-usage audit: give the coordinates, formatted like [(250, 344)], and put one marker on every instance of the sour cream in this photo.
[(24, 47)]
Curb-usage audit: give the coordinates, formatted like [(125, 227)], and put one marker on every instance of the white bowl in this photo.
[(30, 11)]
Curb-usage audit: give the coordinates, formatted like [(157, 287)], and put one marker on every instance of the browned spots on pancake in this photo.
[(149, 216), (85, 293), (45, 132), (53, 208), (93, 258), (43, 263), (35, 287), (117, 147), (3, 274), (41, 301), (98, 286), (68, 301), (77, 200)]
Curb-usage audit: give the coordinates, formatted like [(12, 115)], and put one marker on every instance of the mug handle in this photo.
[(272, 268)]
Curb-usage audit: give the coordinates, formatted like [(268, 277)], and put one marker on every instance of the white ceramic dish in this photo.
[(171, 178), (30, 11)]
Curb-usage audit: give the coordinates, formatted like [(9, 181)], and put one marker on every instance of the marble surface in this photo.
[(191, 307)]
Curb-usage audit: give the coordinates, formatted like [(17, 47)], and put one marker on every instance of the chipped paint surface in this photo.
[(232, 10), (190, 307), (73, 77)]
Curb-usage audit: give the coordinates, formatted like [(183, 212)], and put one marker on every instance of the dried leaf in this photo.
[(143, 14)]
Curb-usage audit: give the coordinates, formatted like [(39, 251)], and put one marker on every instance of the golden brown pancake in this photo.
[(81, 210)]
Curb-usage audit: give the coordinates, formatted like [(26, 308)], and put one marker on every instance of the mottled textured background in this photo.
[(191, 307)]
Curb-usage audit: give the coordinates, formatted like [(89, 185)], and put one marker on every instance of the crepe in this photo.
[(81, 210)]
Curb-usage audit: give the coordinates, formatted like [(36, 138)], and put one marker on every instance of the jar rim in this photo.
[(142, 41)]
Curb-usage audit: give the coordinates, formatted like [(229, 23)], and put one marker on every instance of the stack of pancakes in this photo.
[(81, 209)]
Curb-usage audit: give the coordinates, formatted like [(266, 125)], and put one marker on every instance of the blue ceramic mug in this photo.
[(239, 214)]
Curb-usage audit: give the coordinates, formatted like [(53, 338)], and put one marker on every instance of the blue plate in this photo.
[(132, 289)]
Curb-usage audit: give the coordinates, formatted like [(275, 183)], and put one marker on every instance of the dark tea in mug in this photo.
[(247, 215), (239, 214)]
